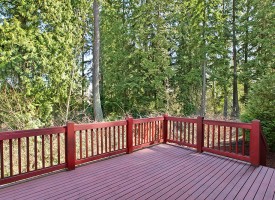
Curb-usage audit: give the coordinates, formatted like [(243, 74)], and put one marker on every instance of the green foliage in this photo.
[(261, 106)]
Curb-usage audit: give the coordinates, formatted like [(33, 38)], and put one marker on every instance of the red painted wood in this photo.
[(243, 142), (101, 139), (213, 137), (123, 135), (86, 143), (70, 146), (188, 133), (31, 174), (43, 151), (237, 140), (28, 153), (153, 131), (97, 125), (182, 119), (147, 120), (92, 142), (35, 152), (2, 158), (51, 149), (208, 135), (219, 137), (255, 143), (80, 144), (228, 124), (110, 140), (129, 135), (227, 154), (11, 157), (106, 140), (58, 149), (200, 134), (19, 156), (97, 142), (147, 144), (29, 133), (224, 138), (118, 138), (230, 139), (184, 138), (114, 137), (170, 131)]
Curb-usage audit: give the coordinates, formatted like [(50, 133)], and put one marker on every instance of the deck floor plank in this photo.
[(159, 172)]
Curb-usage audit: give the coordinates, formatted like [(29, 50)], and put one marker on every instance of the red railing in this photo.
[(25, 154)]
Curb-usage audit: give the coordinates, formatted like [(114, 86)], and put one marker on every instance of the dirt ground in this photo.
[(270, 159)]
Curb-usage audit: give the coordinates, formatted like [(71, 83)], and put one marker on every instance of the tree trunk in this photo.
[(225, 102), (235, 107), (98, 115), (203, 95)]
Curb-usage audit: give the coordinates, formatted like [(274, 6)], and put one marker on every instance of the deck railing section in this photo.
[(182, 131), (99, 140), (25, 154), (147, 132), (32, 152), (227, 138)]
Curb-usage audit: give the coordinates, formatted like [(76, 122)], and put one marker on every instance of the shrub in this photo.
[(261, 106)]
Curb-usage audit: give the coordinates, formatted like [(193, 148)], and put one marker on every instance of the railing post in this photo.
[(200, 134), (165, 128), (255, 139), (129, 134), (70, 146)]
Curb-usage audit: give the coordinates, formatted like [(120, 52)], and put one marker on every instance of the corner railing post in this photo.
[(165, 128), (129, 134), (70, 146), (200, 134), (255, 139)]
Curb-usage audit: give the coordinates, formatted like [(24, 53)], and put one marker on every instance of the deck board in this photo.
[(159, 172)]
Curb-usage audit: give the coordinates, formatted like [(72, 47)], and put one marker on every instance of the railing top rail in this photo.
[(145, 120), (228, 124), (33, 132), (182, 119), (79, 127)]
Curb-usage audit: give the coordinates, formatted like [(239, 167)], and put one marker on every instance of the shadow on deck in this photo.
[(160, 172)]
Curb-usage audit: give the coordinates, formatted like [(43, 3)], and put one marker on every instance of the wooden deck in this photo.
[(159, 172)]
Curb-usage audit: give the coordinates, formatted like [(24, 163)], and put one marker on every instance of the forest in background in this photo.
[(198, 57)]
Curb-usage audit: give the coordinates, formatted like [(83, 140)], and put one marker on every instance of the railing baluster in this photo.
[(110, 140), (237, 136), (139, 134), (118, 137), (224, 138), (43, 151), (105, 132), (213, 137), (97, 142), (35, 152), (80, 144), (86, 142), (230, 140), (193, 125), (219, 137), (189, 133), (19, 156), (2, 158), (58, 148), (92, 141), (11, 161), (123, 135), (51, 149), (114, 130), (208, 134), (101, 140), (243, 145)]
